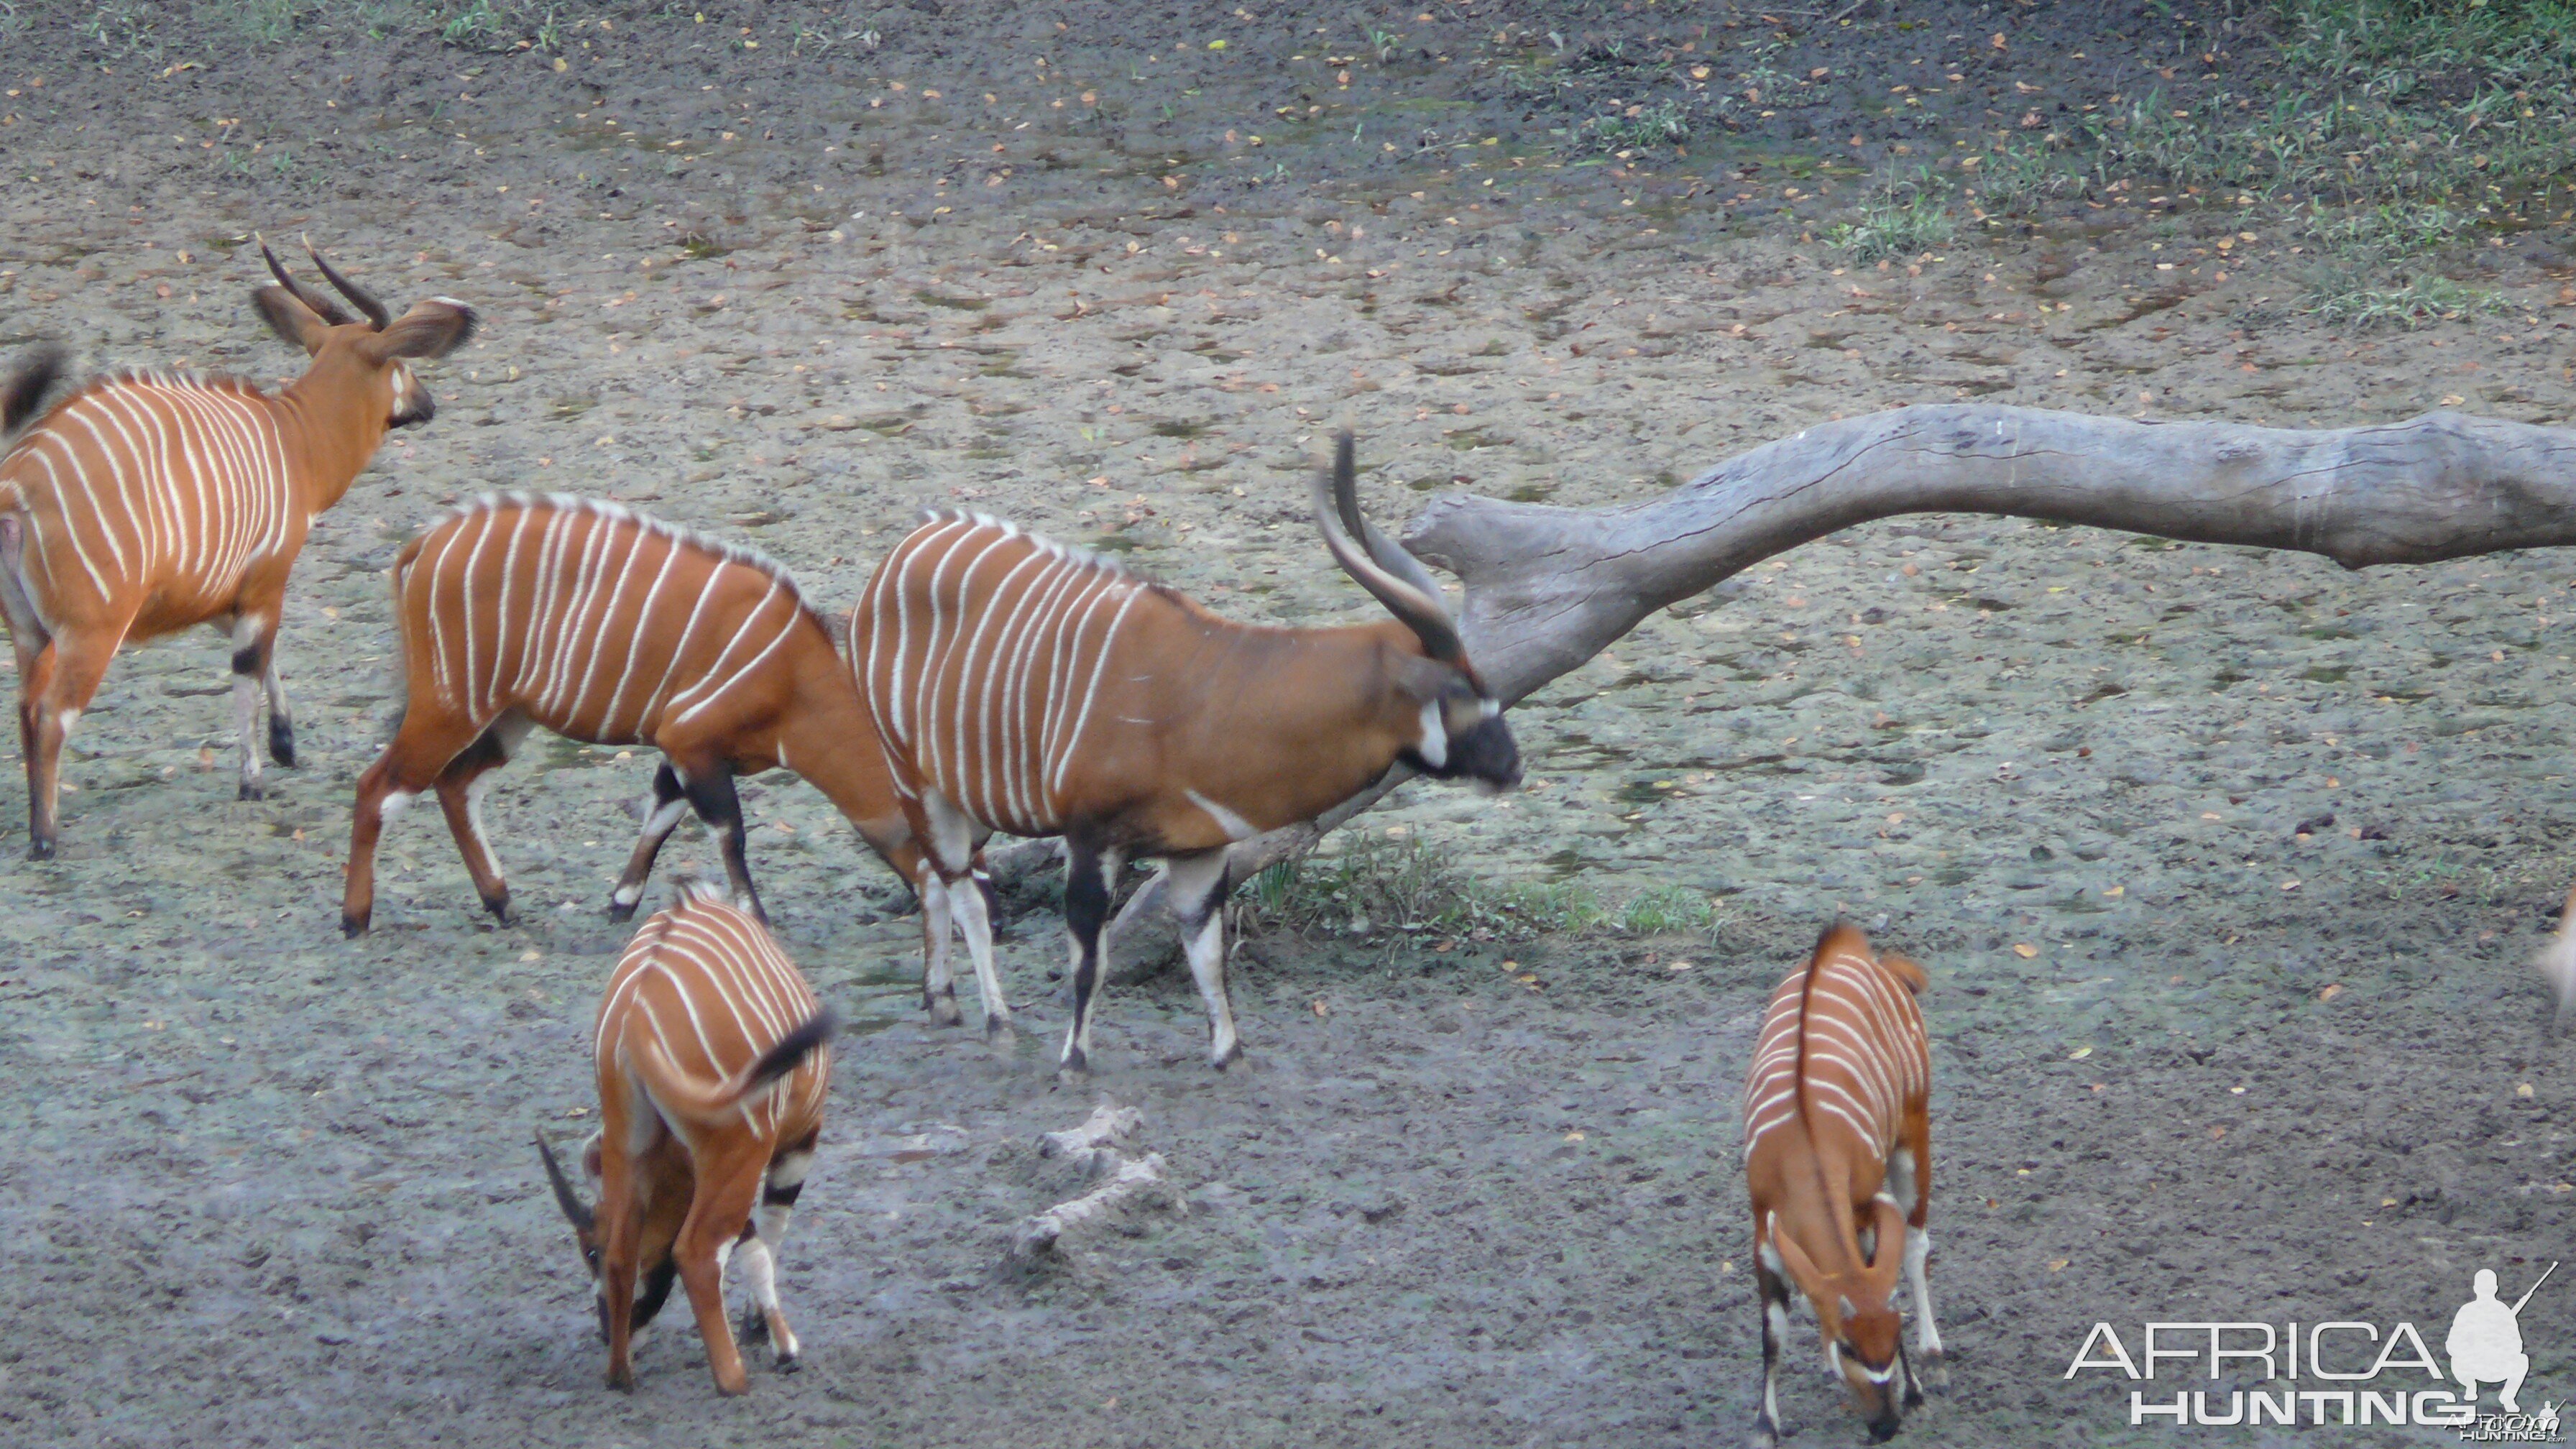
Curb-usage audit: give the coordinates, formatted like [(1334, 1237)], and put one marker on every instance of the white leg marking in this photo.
[(395, 800), (937, 978), (1775, 1320), (1191, 884), (1918, 1249), (246, 718), (966, 908)]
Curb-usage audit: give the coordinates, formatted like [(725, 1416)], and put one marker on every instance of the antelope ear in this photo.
[(433, 328), (288, 317)]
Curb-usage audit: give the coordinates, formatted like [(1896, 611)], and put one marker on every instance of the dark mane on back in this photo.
[(733, 553), (24, 391)]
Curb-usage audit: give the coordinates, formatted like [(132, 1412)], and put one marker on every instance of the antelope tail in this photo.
[(675, 1092)]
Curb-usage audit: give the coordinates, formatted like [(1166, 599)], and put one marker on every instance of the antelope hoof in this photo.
[(281, 743), (735, 1386), (997, 1029), (353, 924), (1074, 1070), (499, 906), (1762, 1437), (622, 1380), (252, 790), (41, 848), (1219, 1061), (789, 1363), (943, 1010), (755, 1325), (1935, 1377), (621, 909)]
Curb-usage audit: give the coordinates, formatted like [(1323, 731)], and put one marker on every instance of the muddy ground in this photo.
[(2227, 865)]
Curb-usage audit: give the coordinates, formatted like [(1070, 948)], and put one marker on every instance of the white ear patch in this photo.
[(1434, 748)]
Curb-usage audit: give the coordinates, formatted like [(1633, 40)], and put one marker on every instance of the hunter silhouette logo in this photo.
[(2334, 1373), (2486, 1340)]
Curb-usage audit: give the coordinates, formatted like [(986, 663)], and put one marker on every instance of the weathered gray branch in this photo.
[(1548, 588)]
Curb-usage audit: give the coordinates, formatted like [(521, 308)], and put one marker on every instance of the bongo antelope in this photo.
[(148, 501), (2557, 961), (1838, 1153), (712, 1056), (1021, 685), (607, 626)]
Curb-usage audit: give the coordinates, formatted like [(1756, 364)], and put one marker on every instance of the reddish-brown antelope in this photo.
[(2558, 960), (1838, 1153), (1021, 685), (713, 1055), (146, 502), (607, 626)]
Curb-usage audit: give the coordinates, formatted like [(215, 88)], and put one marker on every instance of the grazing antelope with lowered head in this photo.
[(1838, 1154), (149, 501), (713, 1055), (1021, 685), (610, 627)]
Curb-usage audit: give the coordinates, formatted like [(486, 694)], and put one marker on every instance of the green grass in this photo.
[(1637, 128), (2359, 298), (2470, 103), (2390, 229), (2013, 179), (1906, 214), (1375, 886), (118, 29)]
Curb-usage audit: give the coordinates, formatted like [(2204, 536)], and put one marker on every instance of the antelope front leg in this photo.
[(281, 718), (1773, 1298), (1088, 873), (764, 1318), (938, 975), (1196, 890), (1927, 1334), (66, 677), (709, 787), (254, 647), (661, 817)]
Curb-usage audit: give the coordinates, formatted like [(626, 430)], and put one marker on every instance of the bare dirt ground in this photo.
[(2226, 865)]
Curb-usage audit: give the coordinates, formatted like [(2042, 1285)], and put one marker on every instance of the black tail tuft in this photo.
[(792, 1049), (23, 394)]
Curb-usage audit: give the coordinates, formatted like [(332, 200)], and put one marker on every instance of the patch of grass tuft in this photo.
[(1636, 128), (1906, 213), (2013, 179), (1378, 885), (2353, 297)]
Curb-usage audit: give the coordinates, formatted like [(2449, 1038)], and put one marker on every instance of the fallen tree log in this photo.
[(1548, 588)]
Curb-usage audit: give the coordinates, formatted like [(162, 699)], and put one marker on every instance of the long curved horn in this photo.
[(374, 309), (322, 307), (1390, 555), (1420, 611), (578, 1215)]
